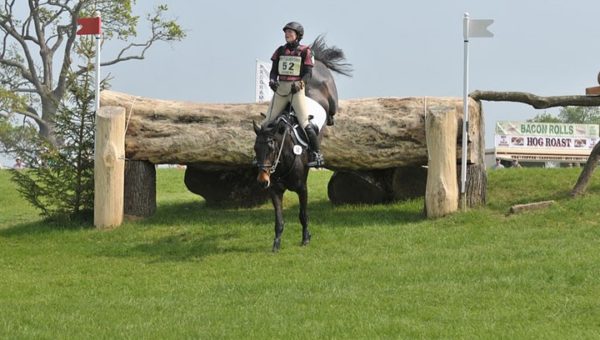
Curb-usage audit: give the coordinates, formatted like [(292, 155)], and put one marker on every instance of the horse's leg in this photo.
[(303, 198), (277, 199)]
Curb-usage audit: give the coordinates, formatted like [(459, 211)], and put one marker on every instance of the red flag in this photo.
[(89, 26)]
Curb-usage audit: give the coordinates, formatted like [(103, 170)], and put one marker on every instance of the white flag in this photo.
[(263, 91), (477, 28)]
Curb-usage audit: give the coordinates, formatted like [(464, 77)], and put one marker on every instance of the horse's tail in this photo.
[(333, 57)]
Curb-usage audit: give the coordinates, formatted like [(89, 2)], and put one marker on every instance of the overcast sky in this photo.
[(397, 48)]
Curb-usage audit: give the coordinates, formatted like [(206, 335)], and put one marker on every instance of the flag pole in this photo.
[(97, 69), (463, 170)]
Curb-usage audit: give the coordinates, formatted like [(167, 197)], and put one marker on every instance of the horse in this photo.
[(281, 152)]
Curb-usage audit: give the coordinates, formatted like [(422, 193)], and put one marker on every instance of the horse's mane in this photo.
[(333, 57)]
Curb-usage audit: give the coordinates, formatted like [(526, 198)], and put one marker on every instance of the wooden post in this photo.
[(109, 167), (441, 193)]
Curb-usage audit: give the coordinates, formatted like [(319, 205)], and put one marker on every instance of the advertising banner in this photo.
[(545, 141)]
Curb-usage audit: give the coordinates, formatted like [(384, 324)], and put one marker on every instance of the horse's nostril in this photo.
[(263, 177)]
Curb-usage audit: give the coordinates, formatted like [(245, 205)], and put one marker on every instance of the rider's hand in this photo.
[(273, 84), (297, 86)]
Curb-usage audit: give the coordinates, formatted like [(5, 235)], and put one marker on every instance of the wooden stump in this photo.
[(476, 186), (140, 188), (231, 188), (441, 195), (109, 167)]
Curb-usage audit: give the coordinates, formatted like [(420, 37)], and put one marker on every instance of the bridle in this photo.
[(273, 167)]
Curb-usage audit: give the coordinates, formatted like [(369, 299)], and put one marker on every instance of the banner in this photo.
[(263, 91), (545, 141)]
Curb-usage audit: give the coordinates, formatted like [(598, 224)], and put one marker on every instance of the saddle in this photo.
[(298, 134)]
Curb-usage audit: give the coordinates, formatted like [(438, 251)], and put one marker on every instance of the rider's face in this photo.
[(290, 35)]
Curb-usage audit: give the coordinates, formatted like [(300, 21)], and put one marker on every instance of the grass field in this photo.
[(370, 272)]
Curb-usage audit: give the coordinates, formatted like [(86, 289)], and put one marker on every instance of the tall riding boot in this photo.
[(315, 159)]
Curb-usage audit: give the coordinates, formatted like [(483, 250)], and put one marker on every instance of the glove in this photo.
[(297, 86), (273, 84)]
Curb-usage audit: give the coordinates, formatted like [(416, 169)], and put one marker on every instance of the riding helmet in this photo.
[(297, 27)]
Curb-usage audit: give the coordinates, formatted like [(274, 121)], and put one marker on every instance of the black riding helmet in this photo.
[(297, 27)]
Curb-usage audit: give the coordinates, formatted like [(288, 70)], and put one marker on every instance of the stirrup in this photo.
[(317, 160)]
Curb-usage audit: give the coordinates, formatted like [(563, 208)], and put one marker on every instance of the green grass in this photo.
[(384, 271)]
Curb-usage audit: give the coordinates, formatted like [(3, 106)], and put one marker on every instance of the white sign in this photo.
[(262, 89), (545, 141)]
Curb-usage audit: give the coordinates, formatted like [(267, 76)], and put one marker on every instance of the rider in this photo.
[(291, 70)]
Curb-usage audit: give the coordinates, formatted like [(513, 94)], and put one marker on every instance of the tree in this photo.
[(45, 37), (571, 115), (545, 118), (59, 180), (580, 115)]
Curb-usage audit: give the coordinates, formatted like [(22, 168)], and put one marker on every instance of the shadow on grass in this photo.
[(320, 212), (208, 231), (44, 227), (189, 246)]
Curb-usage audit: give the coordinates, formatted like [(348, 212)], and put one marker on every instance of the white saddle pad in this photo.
[(317, 111)]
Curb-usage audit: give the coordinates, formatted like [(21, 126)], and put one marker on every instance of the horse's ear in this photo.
[(256, 127)]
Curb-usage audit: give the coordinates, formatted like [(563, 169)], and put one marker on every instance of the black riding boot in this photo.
[(315, 158)]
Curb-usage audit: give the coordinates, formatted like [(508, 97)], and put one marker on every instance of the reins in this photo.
[(273, 168), (276, 163)]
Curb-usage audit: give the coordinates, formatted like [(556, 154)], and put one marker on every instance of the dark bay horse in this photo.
[(280, 156)]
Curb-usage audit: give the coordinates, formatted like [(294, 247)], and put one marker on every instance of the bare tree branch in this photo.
[(71, 33), (537, 102), (28, 72), (32, 113)]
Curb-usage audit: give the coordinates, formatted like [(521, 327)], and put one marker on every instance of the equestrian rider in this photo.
[(291, 70)]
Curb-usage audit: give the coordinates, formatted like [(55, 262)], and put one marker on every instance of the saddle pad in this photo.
[(317, 111)]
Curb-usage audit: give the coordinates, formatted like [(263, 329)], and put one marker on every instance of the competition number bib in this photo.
[(289, 65)]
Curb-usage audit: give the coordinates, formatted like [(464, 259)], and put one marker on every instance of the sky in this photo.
[(397, 48)]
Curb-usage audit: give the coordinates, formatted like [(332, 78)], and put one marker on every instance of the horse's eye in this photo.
[(271, 144)]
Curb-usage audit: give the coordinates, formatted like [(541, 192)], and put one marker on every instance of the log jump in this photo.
[(373, 138)]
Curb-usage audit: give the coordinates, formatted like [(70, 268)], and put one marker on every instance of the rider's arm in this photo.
[(274, 71)]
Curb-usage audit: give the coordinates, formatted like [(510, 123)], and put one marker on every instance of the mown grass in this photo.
[(370, 272)]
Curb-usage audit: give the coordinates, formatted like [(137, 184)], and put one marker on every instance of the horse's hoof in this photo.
[(306, 240), (276, 245)]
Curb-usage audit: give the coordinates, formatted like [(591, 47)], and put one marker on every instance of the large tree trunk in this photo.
[(236, 187), (369, 134), (377, 186), (360, 187)]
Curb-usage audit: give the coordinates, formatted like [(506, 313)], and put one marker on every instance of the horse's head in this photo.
[(266, 147)]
